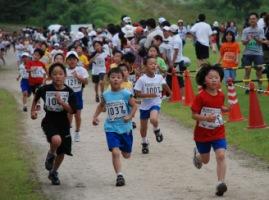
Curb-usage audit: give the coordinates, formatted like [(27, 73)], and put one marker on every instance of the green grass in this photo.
[(16, 179), (252, 141)]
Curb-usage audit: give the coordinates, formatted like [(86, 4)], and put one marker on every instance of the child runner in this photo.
[(149, 87), (24, 75), (229, 55), (98, 60), (59, 100), (59, 58), (121, 108), (209, 131), (37, 71), (76, 76), (161, 65), (117, 57)]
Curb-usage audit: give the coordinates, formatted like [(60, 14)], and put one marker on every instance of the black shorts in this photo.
[(34, 88), (202, 51), (55, 127), (97, 78), (180, 68)]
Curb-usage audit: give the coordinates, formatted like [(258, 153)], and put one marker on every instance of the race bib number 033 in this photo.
[(116, 110), (211, 111), (51, 102)]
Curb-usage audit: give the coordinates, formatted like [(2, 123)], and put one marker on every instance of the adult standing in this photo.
[(202, 32), (253, 38)]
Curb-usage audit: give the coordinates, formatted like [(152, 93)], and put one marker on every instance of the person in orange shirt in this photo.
[(82, 58), (229, 55)]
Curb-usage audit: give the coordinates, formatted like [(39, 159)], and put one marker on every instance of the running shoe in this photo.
[(120, 181), (196, 162), (221, 188)]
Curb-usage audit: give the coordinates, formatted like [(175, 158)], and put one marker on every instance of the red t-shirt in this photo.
[(229, 52), (36, 77), (205, 104)]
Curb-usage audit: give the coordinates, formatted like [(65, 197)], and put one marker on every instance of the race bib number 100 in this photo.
[(211, 111), (51, 102), (116, 110)]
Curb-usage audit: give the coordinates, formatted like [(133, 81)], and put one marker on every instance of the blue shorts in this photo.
[(122, 141), (205, 147), (247, 60), (145, 114), (25, 86), (79, 100)]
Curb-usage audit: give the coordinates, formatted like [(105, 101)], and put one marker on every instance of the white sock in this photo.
[(120, 173), (156, 129), (144, 140)]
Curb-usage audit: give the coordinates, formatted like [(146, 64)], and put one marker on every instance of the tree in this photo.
[(242, 7)]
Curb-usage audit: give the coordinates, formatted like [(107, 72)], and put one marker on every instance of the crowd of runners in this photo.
[(131, 67)]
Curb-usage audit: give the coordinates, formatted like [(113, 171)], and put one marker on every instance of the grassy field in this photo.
[(16, 179), (252, 141)]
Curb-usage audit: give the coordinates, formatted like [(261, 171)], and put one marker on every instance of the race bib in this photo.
[(132, 78), (51, 103), (153, 88), (38, 73), (209, 111), (74, 83), (100, 62), (229, 57), (116, 110)]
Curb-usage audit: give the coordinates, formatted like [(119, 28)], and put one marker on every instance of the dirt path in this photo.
[(166, 173)]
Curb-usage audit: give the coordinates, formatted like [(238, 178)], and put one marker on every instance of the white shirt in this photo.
[(151, 35), (202, 31), (166, 48), (116, 42), (73, 82), (99, 64), (22, 71), (261, 23), (150, 85), (176, 43)]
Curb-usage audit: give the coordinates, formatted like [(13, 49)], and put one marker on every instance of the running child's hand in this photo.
[(58, 98), (225, 109), (33, 114), (95, 121), (210, 118), (127, 118)]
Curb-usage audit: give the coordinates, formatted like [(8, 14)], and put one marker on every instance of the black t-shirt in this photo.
[(53, 110), (266, 34)]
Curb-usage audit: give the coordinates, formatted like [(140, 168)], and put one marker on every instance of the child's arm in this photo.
[(33, 108), (139, 94), (166, 88), (99, 109), (80, 78), (199, 117), (133, 104), (18, 78), (66, 106)]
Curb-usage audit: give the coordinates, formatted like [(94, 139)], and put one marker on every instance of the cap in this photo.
[(166, 28), (127, 20), (25, 54), (72, 53), (173, 28), (56, 45), (216, 24), (180, 21), (139, 29), (161, 20)]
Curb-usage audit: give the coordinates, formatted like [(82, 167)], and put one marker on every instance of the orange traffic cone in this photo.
[(189, 94), (176, 96), (255, 118), (234, 114)]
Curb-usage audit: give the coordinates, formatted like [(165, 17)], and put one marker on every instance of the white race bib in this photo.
[(209, 111), (74, 83), (38, 73), (116, 110), (153, 88), (51, 103)]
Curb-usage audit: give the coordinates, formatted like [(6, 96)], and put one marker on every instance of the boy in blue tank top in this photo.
[(121, 107)]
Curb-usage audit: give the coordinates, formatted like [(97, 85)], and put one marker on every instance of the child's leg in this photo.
[(56, 141), (125, 155), (78, 120), (24, 98), (116, 160), (154, 114), (96, 89), (259, 75), (204, 158), (143, 129), (102, 86), (70, 118), (221, 164), (58, 161)]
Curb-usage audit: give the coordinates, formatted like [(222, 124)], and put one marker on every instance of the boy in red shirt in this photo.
[(37, 70), (209, 130), (229, 55)]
